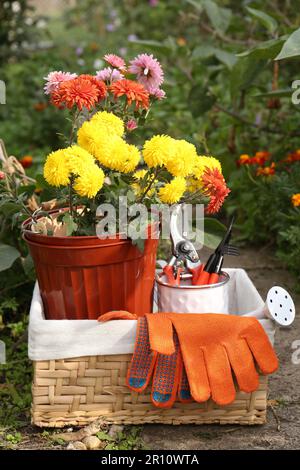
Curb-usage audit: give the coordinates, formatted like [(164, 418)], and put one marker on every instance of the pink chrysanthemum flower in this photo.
[(115, 61), (158, 93), (148, 70), (54, 79), (131, 125), (109, 75)]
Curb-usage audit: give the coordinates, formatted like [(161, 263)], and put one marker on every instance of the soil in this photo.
[(282, 430)]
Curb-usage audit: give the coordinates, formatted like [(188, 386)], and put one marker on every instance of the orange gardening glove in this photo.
[(212, 345), (164, 370)]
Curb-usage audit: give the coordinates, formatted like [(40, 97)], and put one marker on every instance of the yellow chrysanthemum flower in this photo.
[(172, 192), (111, 151), (78, 159), (131, 160), (109, 123), (158, 150), (89, 182), (203, 162), (183, 162), (56, 169), (90, 136), (116, 154)]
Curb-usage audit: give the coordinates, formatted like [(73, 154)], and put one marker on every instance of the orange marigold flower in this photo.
[(133, 91), (266, 171), (80, 92), (260, 158), (296, 199), (40, 106), (214, 186), (181, 41), (244, 159), (26, 161), (292, 157), (94, 46)]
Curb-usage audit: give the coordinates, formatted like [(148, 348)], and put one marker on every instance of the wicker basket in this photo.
[(77, 391)]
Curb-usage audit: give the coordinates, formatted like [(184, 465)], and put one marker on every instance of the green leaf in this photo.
[(103, 436), (285, 92), (152, 44), (219, 17), (200, 100), (41, 182), (227, 58), (265, 50), (213, 233), (27, 189), (196, 3), (244, 72), (139, 243), (28, 267), (266, 20), (8, 255), (291, 47), (203, 52), (211, 240), (71, 226), (10, 208)]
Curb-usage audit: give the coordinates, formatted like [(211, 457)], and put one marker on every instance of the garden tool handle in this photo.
[(203, 278), (195, 272), (214, 278), (168, 271)]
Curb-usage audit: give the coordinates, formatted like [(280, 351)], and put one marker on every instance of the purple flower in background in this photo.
[(110, 27), (113, 13), (148, 70), (123, 51), (79, 50), (132, 37), (159, 94), (153, 3), (258, 119), (109, 75), (54, 79)]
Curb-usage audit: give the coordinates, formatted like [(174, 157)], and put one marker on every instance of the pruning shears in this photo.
[(185, 257)]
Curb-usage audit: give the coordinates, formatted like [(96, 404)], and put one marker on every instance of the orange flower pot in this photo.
[(84, 277)]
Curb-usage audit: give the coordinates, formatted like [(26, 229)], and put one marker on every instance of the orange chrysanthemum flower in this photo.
[(133, 91), (82, 92), (214, 186), (99, 84)]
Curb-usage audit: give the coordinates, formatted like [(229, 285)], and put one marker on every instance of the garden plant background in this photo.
[(229, 68)]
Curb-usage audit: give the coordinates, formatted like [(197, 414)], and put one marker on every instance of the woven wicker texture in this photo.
[(77, 391)]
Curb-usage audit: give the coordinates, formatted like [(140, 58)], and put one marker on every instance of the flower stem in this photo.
[(149, 186), (76, 115), (71, 195)]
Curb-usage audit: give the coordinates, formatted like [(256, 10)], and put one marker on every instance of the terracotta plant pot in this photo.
[(84, 277)]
